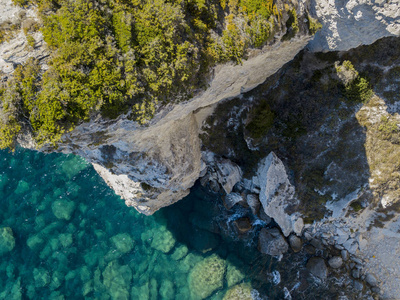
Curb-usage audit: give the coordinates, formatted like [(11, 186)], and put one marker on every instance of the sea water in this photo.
[(64, 234)]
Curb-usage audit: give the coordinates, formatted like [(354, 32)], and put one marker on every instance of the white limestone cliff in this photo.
[(349, 24)]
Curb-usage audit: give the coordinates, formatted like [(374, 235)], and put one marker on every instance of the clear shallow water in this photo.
[(65, 234)]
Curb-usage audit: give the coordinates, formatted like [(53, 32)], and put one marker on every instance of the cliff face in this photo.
[(162, 161), (154, 166), (349, 24)]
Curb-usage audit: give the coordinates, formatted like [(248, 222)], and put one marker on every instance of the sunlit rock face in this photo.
[(349, 24), (155, 166)]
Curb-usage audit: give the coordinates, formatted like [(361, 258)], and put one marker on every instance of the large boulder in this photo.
[(271, 242), (239, 292), (206, 277), (277, 193), (317, 267)]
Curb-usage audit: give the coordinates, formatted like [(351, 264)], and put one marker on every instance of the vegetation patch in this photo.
[(112, 57), (262, 119)]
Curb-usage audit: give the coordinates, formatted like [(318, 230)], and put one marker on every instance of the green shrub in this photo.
[(313, 25), (262, 119), (359, 90)]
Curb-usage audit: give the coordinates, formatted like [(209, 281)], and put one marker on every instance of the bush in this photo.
[(262, 119)]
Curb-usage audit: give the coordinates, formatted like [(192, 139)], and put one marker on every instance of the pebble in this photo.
[(335, 262), (371, 279)]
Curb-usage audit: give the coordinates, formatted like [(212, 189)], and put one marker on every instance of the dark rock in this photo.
[(263, 216), (254, 203), (345, 255), (243, 224), (272, 242), (376, 290), (295, 243), (355, 273), (371, 279), (310, 249), (317, 244), (317, 267), (335, 262), (358, 285), (231, 199)]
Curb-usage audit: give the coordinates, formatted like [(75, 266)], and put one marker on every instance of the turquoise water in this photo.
[(65, 235)]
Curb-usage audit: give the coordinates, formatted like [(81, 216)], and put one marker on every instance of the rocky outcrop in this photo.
[(277, 194), (317, 267), (160, 162), (271, 242), (17, 50), (349, 24)]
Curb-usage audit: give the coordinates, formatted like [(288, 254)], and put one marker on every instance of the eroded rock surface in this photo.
[(349, 24), (277, 193)]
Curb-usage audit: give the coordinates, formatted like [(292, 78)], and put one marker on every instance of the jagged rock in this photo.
[(295, 243), (298, 226), (243, 224), (317, 267), (228, 173), (351, 245), (276, 192), (271, 242), (335, 262), (371, 279), (166, 155), (254, 203), (232, 199), (348, 24)]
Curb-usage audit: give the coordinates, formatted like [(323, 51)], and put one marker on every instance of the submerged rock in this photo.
[(271, 242), (63, 209), (167, 290), (123, 242), (239, 292), (206, 277), (7, 241), (317, 267), (117, 280)]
